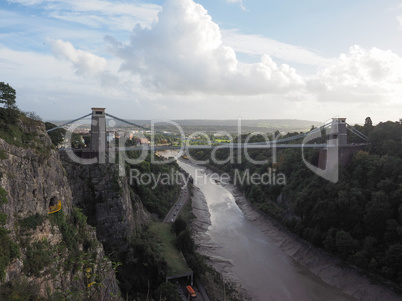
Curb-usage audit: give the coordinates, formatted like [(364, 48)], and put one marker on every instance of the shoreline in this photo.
[(327, 267), (324, 265), (205, 247)]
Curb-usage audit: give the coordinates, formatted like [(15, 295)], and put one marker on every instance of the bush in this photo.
[(32, 221), (37, 258), (67, 231), (3, 196), (19, 290), (185, 243), (8, 251), (3, 218), (79, 218), (179, 225), (167, 291), (3, 154)]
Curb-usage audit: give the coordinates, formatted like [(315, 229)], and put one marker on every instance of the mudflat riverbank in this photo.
[(246, 257), (351, 285), (208, 248), (329, 268)]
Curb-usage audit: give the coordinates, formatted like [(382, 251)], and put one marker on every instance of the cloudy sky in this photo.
[(216, 59)]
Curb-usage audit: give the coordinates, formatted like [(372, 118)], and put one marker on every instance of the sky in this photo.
[(205, 59)]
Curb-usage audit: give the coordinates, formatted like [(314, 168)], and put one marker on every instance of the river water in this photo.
[(262, 268)]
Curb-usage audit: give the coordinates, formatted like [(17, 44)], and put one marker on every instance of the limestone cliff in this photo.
[(45, 255), (107, 200)]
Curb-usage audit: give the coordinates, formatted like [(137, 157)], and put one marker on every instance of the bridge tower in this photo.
[(338, 135), (338, 152), (98, 130)]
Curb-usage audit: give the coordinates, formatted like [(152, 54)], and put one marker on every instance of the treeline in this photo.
[(359, 218), (155, 184)]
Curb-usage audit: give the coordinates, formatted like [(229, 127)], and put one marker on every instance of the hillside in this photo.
[(44, 256)]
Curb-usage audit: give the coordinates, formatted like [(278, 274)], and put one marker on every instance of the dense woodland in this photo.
[(156, 196), (359, 218)]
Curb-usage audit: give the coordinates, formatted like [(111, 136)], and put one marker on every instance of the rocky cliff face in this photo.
[(43, 250), (108, 202), (32, 178)]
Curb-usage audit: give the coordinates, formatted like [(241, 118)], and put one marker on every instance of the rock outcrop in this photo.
[(108, 201), (32, 178)]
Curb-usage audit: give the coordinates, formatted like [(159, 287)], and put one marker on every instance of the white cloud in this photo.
[(183, 53), (50, 87), (98, 13), (26, 2), (182, 64), (237, 1), (84, 63), (361, 75), (259, 45)]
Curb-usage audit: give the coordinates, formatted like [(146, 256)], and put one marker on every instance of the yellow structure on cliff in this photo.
[(54, 208)]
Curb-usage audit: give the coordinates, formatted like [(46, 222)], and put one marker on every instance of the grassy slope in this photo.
[(174, 258)]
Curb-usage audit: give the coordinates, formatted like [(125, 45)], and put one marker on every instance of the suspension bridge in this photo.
[(333, 134)]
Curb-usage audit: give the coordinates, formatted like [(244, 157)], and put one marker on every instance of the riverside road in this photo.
[(178, 206)]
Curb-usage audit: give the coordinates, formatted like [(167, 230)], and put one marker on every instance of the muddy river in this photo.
[(262, 268)]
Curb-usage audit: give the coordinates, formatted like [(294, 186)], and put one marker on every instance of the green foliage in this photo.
[(10, 117), (91, 271), (3, 154), (359, 218), (3, 219), (179, 225), (3, 200), (7, 95), (38, 257), (57, 136), (166, 248), (73, 231), (392, 262), (19, 290), (8, 251), (157, 197), (185, 242), (167, 291), (144, 268), (3, 196), (77, 141), (9, 112), (32, 221), (79, 218), (68, 232), (26, 136)]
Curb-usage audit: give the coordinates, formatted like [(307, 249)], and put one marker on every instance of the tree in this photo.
[(57, 136), (179, 225), (7, 96), (368, 122), (185, 243), (344, 243), (9, 113), (167, 291)]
